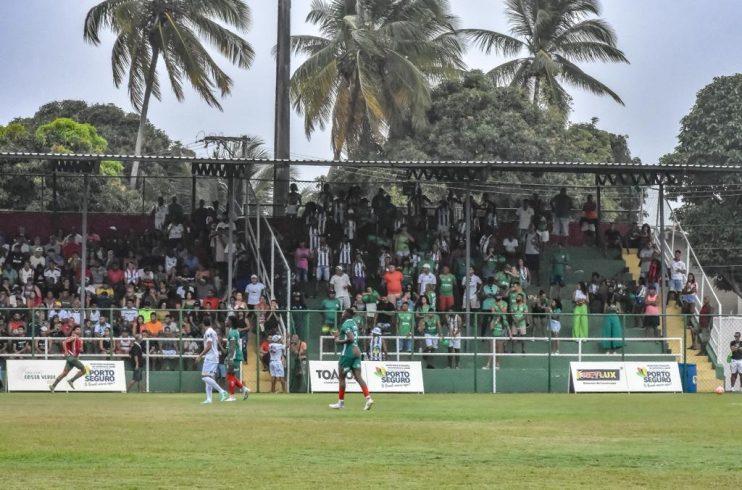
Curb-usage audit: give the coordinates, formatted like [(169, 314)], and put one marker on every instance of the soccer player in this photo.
[(350, 359), (72, 346), (276, 351), (234, 359), (210, 355)]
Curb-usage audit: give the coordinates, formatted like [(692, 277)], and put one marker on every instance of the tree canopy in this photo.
[(711, 209)]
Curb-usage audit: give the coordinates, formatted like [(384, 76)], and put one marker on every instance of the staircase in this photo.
[(706, 374), (253, 376)]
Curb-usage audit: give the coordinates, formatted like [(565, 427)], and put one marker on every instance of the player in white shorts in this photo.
[(210, 355), (736, 362), (276, 350)]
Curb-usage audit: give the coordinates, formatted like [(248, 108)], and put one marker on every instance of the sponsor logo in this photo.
[(654, 377), (599, 374), (390, 376), (380, 372), (330, 374)]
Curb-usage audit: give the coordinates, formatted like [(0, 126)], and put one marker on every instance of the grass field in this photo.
[(426, 441)]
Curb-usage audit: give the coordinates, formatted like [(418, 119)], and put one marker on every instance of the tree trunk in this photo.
[(355, 95), (536, 89), (143, 116)]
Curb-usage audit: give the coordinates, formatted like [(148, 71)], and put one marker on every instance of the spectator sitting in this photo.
[(613, 241)]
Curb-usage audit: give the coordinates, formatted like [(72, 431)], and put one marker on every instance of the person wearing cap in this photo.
[(340, 283), (277, 352), (376, 347), (254, 290), (651, 312), (37, 259)]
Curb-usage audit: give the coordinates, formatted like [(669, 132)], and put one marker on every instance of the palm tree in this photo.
[(556, 34), (174, 30), (371, 69)]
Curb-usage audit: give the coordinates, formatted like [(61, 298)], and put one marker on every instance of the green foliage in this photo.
[(711, 134), (556, 35), (371, 69), (72, 125), (472, 119), (64, 135)]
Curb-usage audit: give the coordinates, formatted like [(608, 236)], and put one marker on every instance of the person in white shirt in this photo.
[(26, 274), (276, 351), (510, 243), (340, 283), (159, 212), (424, 278), (678, 269), (525, 216), (254, 290), (475, 284), (210, 355)]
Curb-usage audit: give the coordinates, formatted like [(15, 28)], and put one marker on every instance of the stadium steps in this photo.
[(706, 377), (257, 380)]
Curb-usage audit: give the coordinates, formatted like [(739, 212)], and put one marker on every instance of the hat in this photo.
[(426, 266), (254, 276), (276, 338), (338, 268), (38, 249), (44, 329), (376, 331)]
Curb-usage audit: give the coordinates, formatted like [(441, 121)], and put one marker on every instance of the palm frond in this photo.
[(489, 41), (507, 73), (573, 75)]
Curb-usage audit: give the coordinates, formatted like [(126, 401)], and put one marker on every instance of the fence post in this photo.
[(623, 338), (146, 343), (493, 345), (476, 348), (545, 321), (111, 349), (180, 350), (579, 350), (144, 192), (33, 332)]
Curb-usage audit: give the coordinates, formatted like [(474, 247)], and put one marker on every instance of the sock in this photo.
[(365, 391), (341, 394), (238, 383), (209, 389), (211, 382), (230, 383)]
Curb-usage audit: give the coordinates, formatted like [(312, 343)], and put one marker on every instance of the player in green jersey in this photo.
[(350, 359), (234, 361)]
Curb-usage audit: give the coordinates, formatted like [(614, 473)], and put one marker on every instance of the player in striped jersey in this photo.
[(72, 347)]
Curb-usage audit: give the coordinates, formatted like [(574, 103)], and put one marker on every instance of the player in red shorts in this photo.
[(72, 346)]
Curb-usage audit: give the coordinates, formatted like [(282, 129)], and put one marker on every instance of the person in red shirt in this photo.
[(115, 275), (72, 346), (211, 302), (393, 280)]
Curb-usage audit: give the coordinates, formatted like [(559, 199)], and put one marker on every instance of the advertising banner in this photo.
[(597, 377), (323, 378), (381, 377), (393, 377), (37, 375), (653, 377)]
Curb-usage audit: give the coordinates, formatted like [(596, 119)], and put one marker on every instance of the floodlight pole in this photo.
[(230, 237)]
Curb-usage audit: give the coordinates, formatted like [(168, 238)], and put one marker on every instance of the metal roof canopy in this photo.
[(606, 173)]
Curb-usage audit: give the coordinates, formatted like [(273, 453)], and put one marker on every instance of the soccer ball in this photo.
[(719, 390)]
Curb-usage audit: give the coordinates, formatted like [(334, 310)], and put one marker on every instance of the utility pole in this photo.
[(282, 141)]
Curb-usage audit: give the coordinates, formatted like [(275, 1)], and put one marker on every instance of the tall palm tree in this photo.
[(174, 30), (370, 71), (556, 34)]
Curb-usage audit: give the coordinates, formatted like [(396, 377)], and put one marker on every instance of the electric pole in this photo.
[(282, 142)]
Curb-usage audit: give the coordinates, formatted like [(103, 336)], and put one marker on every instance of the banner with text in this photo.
[(381, 377), (33, 375), (323, 378), (393, 377), (653, 377), (624, 377), (597, 377)]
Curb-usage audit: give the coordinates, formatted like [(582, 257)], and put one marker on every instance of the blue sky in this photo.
[(676, 47)]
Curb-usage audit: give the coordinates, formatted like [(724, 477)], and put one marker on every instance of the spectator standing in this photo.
[(160, 215), (453, 334), (589, 221), (678, 269), (472, 287), (405, 327), (510, 244), (525, 218), (579, 319), (561, 206), (612, 328), (735, 346), (254, 290), (613, 241), (340, 283), (136, 357), (393, 281), (555, 324), (651, 312), (532, 249), (358, 269), (323, 257), (705, 324), (447, 282), (293, 202), (424, 279), (301, 263), (376, 346), (559, 266)]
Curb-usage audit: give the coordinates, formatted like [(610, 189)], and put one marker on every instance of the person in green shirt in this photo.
[(446, 283), (519, 315), (350, 359), (405, 323), (489, 293), (499, 327), (430, 327), (430, 294), (330, 306), (234, 361), (371, 300), (559, 266)]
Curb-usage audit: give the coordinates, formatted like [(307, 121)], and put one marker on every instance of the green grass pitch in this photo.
[(406, 441)]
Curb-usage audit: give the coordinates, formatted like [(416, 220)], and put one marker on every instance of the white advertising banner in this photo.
[(393, 377), (653, 377), (36, 375), (381, 377), (323, 376), (597, 377)]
